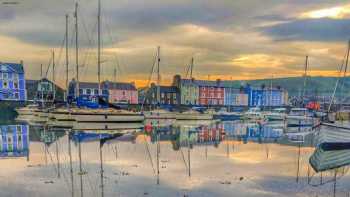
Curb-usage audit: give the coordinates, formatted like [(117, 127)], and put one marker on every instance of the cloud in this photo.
[(322, 29)]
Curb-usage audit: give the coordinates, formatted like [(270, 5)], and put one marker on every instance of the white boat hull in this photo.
[(181, 116)]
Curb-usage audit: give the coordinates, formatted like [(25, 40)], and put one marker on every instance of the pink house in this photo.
[(122, 93)]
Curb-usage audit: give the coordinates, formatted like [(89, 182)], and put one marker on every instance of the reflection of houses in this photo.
[(252, 132), (14, 141), (12, 82), (203, 135)]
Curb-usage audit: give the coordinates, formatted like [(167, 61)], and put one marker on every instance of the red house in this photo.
[(211, 92)]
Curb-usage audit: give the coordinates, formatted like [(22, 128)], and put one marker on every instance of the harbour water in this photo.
[(174, 159)]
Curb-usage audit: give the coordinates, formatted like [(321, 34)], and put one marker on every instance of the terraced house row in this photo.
[(182, 91), (213, 93)]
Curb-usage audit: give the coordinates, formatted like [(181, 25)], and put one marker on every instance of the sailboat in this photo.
[(301, 117), (159, 113), (99, 115)]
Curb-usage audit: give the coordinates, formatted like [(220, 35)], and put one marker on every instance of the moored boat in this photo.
[(193, 115)]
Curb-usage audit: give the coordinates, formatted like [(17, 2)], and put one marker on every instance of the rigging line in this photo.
[(149, 80), (149, 154), (113, 43), (337, 83), (183, 158), (49, 65), (90, 48), (56, 169)]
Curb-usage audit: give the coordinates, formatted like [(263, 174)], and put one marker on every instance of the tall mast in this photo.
[(305, 76), (158, 75), (67, 63), (345, 70), (53, 74), (192, 60), (99, 46), (76, 49)]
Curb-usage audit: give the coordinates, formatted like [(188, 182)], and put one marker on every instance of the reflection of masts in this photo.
[(70, 163), (58, 160), (158, 151), (189, 154), (101, 169), (298, 164), (80, 170)]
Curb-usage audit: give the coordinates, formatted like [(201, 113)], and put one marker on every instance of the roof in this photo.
[(122, 86), (18, 68)]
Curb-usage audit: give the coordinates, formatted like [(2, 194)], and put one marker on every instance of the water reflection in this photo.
[(14, 140), (183, 158)]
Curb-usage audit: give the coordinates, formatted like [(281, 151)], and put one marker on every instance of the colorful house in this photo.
[(88, 93), (12, 82), (14, 140), (235, 97), (169, 95), (189, 90), (210, 92), (264, 97), (122, 93)]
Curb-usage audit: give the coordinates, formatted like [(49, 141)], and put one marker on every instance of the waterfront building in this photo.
[(169, 95), (12, 82), (14, 140), (125, 93), (266, 97), (210, 92), (235, 97), (189, 90)]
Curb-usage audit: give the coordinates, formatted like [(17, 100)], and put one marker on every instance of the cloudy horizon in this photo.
[(228, 39)]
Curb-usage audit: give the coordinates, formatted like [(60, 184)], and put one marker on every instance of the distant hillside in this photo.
[(314, 85)]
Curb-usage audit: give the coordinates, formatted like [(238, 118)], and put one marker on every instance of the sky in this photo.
[(228, 39)]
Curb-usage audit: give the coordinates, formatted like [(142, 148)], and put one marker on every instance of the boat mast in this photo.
[(158, 75), (67, 63), (192, 60), (305, 77), (345, 70), (99, 46), (53, 74), (76, 50)]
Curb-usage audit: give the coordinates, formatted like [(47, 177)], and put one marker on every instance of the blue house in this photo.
[(14, 140), (263, 97), (12, 82)]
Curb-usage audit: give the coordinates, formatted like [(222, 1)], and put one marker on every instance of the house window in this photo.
[(5, 75), (96, 91), (105, 92), (15, 76), (16, 95), (88, 91), (163, 95), (5, 84), (81, 91), (15, 84), (123, 93), (174, 95)]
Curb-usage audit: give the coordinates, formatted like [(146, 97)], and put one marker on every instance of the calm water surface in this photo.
[(193, 159)]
